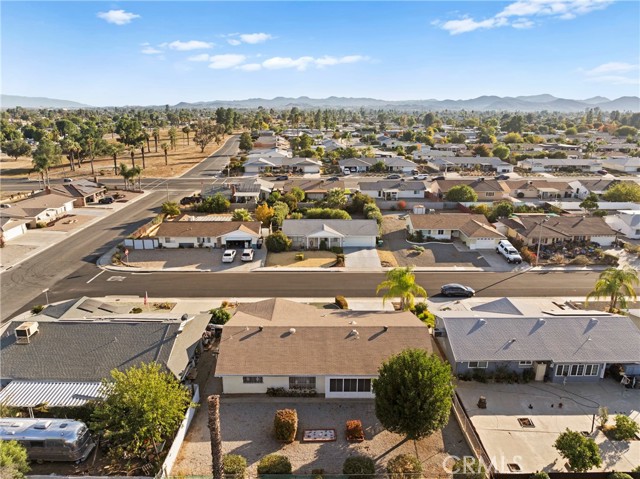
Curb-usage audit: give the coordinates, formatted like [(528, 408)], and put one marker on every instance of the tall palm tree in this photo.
[(217, 464), (114, 149), (173, 137), (156, 137), (137, 171), (186, 130), (617, 285), (47, 154), (401, 283), (241, 214), (165, 148), (125, 172)]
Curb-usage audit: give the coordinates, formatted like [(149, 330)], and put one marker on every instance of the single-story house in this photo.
[(565, 348), (270, 141), (282, 164), (12, 227), (315, 189), (528, 228), (312, 233), (625, 164), (627, 222), (240, 190), (280, 343), (208, 234), (82, 191), (392, 190), (268, 153), (362, 165), (559, 164), (41, 208), (470, 163), (425, 153), (583, 188), (85, 348), (473, 230), (538, 189), (486, 189)]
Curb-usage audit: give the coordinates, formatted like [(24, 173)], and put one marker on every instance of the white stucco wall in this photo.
[(234, 384), (14, 231)]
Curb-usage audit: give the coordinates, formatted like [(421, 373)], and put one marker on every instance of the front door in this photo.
[(541, 370)]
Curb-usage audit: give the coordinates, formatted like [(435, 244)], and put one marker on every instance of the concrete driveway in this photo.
[(193, 259), (361, 258)]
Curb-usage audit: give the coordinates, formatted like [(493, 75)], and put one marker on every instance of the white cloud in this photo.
[(118, 17), (276, 63), (149, 50), (613, 73), (612, 67), (202, 57), (250, 67), (255, 37), (234, 42), (190, 45), (520, 10), (221, 62)]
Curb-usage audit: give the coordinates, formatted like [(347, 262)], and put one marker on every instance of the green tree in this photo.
[(241, 214), (481, 150), (502, 152), (413, 394), (336, 198), (617, 285), (461, 193), (143, 407), (219, 316), (173, 137), (626, 191), (246, 143), (298, 193), (590, 203), (401, 283), (186, 130), (626, 428), (571, 131), (214, 204), (504, 209), (165, 147), (278, 242), (156, 137), (47, 155), (456, 137), (581, 452), (512, 138), (264, 213), (17, 148), (171, 208), (326, 214), (280, 212), (378, 167), (130, 132), (113, 150), (205, 134), (14, 462)]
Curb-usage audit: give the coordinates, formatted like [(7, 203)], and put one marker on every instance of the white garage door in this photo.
[(484, 244), (359, 241)]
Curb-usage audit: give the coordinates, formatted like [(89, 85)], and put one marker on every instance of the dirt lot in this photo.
[(312, 259), (179, 160)]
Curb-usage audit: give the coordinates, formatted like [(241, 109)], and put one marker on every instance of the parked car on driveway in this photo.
[(602, 172), (394, 176), (67, 180), (282, 178), (333, 178), (228, 256), (247, 255), (421, 177), (502, 177), (455, 289), (107, 200), (506, 249)]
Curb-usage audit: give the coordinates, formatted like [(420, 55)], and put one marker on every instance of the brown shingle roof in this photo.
[(323, 342), (471, 225), (557, 226), (476, 184), (213, 229)]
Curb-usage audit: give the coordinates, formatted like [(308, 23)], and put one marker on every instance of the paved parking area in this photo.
[(361, 258), (247, 429), (193, 259), (532, 448)]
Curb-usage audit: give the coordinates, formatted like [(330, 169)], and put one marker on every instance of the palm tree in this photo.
[(616, 284), (147, 138), (125, 172), (241, 214), (47, 154), (165, 148), (142, 151), (216, 437), (137, 171), (132, 151), (156, 137), (114, 149), (173, 137), (401, 283), (186, 130)]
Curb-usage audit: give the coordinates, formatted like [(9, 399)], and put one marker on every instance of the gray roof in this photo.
[(344, 227), (78, 350), (392, 185), (577, 339)]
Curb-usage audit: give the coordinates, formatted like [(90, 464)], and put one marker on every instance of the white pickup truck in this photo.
[(506, 249)]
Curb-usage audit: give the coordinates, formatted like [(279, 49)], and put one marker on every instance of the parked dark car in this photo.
[(107, 200), (188, 200), (282, 178), (602, 172), (502, 177), (333, 178), (393, 177), (454, 289), (436, 178)]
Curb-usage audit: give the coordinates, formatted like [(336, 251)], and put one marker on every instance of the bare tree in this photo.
[(216, 436)]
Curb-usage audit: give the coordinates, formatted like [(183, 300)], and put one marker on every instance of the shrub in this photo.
[(528, 375), (626, 428), (539, 475), (323, 245), (41, 224), (580, 260), (219, 316), (418, 249), (171, 208), (327, 214), (166, 306), (294, 393), (403, 464), (468, 468), (599, 213), (234, 465), (274, 464), (136, 310), (14, 461), (37, 309), (527, 255), (557, 258), (428, 318), (337, 250), (339, 261), (299, 257), (610, 259), (341, 301), (479, 375), (619, 475), (278, 242), (359, 467), (354, 430), (285, 424), (420, 308), (402, 204)]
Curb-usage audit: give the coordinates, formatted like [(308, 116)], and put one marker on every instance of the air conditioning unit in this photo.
[(25, 331)]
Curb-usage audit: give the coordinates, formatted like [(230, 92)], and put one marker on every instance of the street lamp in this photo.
[(540, 238), (46, 293)]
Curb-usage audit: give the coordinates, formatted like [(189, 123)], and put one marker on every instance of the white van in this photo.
[(506, 249)]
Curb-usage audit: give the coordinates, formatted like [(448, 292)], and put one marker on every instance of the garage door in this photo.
[(484, 244), (359, 241)]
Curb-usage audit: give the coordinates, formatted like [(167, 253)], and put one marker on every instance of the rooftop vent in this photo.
[(352, 322), (354, 333), (292, 331), (542, 320), (386, 328), (42, 425), (260, 328), (25, 331)]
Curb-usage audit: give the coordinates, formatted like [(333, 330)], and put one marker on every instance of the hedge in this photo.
[(403, 464), (359, 467), (274, 464), (235, 465), (285, 424)]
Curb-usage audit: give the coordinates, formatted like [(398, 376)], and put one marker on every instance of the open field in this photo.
[(179, 160)]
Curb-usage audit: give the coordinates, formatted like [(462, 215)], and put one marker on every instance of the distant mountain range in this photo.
[(483, 103)]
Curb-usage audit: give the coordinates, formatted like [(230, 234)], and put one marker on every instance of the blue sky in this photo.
[(124, 53)]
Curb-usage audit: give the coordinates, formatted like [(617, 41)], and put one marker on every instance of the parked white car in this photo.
[(247, 255), (506, 249), (421, 177), (228, 256)]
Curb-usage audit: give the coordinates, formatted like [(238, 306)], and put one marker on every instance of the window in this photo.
[(440, 232), (577, 369), (252, 380), (167, 240), (478, 364), (562, 370), (591, 369), (489, 193), (350, 385), (525, 364), (302, 382)]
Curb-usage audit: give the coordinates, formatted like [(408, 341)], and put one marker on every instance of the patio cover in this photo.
[(54, 393)]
